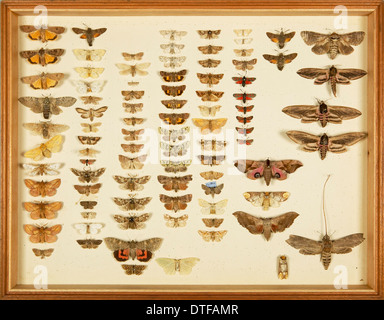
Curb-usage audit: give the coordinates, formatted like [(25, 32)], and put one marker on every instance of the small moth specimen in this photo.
[(175, 183), (265, 226), (132, 182), (212, 222), (133, 107), (174, 150), (89, 55), (212, 145), (88, 72), (42, 56), (132, 203), (88, 228), (242, 32), (88, 214), (132, 147), (91, 99), (173, 34), (244, 110), (210, 49), (280, 60), (89, 243), (281, 38), (88, 87), (243, 40), (175, 222), (244, 120), (174, 103), (130, 95), (244, 65), (209, 125), (42, 234), (209, 63), (174, 118), (175, 166), (209, 34), (43, 210), (88, 189), (175, 203), (266, 199), (43, 34), (133, 70), (135, 163), (334, 43), (214, 236), (42, 169), (244, 97), (132, 135), (133, 269), (42, 188), (43, 80), (267, 169), (211, 188), (283, 268), (88, 140), (89, 34), (46, 149), (172, 62), (211, 160), (322, 113), (244, 131), (140, 250), (173, 135), (213, 207), (88, 204), (332, 75), (243, 81), (45, 129), (244, 141), (210, 79), (209, 111), (325, 143), (88, 175), (183, 266), (173, 91), (89, 152), (172, 48), (243, 52), (133, 56), (210, 95), (90, 127), (45, 253), (132, 221), (211, 175), (47, 105), (132, 121), (173, 76)]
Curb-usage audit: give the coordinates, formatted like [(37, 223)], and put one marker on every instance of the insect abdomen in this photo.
[(333, 50), (326, 259)]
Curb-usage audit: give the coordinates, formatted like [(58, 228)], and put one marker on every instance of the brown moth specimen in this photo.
[(174, 118), (211, 175), (209, 34), (88, 189), (333, 43), (88, 140), (133, 121), (265, 226), (212, 145), (91, 113), (212, 222), (47, 105), (266, 199), (133, 70), (243, 52), (175, 222), (213, 207), (132, 182), (135, 163), (42, 234), (207, 126), (281, 38), (210, 79), (325, 143), (43, 80), (132, 135), (88, 175), (332, 75), (133, 107), (173, 34), (89, 34), (209, 63), (42, 188), (175, 183), (173, 76), (322, 113), (172, 48), (175, 166), (91, 99), (132, 56), (42, 56), (175, 203), (283, 268), (214, 236), (210, 49), (132, 203), (173, 135), (44, 33), (211, 160), (88, 152), (89, 243), (172, 62), (43, 210), (280, 60), (88, 204), (267, 169), (132, 221), (130, 95), (42, 168), (88, 215), (174, 104), (209, 111), (91, 127), (133, 269), (174, 150), (212, 190), (244, 65), (132, 147), (173, 91), (45, 253)]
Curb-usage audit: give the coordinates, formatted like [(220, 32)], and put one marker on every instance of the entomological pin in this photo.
[(281, 38), (280, 60), (266, 199), (89, 34), (47, 105), (44, 33), (283, 268)]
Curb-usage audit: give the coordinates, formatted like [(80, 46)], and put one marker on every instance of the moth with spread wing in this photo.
[(266, 199), (42, 56), (132, 221), (183, 266), (44, 33), (281, 38), (88, 175), (132, 182), (91, 113), (42, 168), (47, 105), (175, 183), (45, 129), (175, 203), (213, 207), (280, 60), (89, 34), (132, 203), (45, 149), (43, 80)]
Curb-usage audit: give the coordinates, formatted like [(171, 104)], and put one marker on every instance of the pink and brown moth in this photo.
[(324, 143), (267, 169)]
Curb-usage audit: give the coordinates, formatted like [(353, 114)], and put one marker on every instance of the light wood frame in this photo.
[(10, 10)]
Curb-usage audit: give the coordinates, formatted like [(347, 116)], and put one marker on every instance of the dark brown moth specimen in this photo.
[(280, 60), (132, 221), (133, 269), (174, 118), (174, 103), (212, 222), (332, 75), (209, 63), (42, 56), (333, 43), (175, 183), (45, 253), (210, 49), (267, 169), (209, 34), (325, 143), (44, 33), (88, 189), (265, 226), (281, 38), (173, 76), (132, 203), (47, 105), (132, 135), (132, 182), (173, 91), (88, 204), (244, 65), (88, 175), (89, 34), (210, 95), (175, 203), (212, 190), (322, 113), (175, 166), (89, 243)]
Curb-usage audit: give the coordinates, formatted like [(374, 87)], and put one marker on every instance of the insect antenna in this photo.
[(325, 218)]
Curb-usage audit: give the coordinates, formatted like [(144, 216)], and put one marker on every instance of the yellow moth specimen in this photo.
[(283, 268), (46, 149), (266, 199), (183, 266)]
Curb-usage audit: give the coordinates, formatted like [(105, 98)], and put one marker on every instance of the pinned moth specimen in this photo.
[(88, 215), (91, 113), (172, 48), (325, 247), (267, 169), (207, 126), (246, 142), (47, 105), (43, 80), (173, 34), (88, 87), (88, 189), (133, 269), (42, 253), (325, 143), (175, 203), (245, 109), (266, 199), (210, 78), (42, 56), (174, 150), (133, 56), (87, 162), (283, 268), (322, 113), (132, 135), (174, 118), (175, 222), (132, 121), (281, 38), (175, 183), (210, 49), (243, 52), (209, 111), (91, 99), (175, 166), (212, 222), (243, 81), (280, 60), (174, 103), (89, 243), (173, 91), (88, 228), (172, 62), (135, 163), (173, 76), (42, 209), (88, 204), (183, 266), (214, 236), (209, 63), (242, 32), (244, 131), (89, 55), (332, 75), (42, 188), (244, 120), (42, 234), (43, 33), (243, 40), (211, 188), (174, 135), (42, 169), (88, 152), (133, 107), (88, 175), (212, 145), (132, 221), (211, 160), (133, 70), (265, 226), (88, 140), (89, 72), (140, 250), (91, 127), (89, 34), (210, 95), (46, 149), (211, 175), (333, 43), (132, 182), (244, 65), (213, 207), (130, 95), (132, 203), (132, 147), (244, 97), (209, 34)]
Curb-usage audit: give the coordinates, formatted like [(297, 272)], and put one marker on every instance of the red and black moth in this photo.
[(244, 96), (141, 255), (243, 80), (244, 109), (244, 120), (245, 141), (244, 131)]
